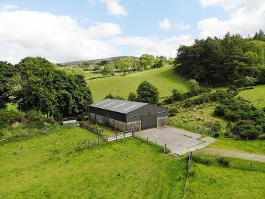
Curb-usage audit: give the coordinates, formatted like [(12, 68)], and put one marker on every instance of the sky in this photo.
[(71, 30)]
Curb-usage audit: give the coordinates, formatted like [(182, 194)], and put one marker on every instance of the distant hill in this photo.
[(92, 62)]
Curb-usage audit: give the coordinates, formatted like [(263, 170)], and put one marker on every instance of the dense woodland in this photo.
[(36, 84), (231, 60)]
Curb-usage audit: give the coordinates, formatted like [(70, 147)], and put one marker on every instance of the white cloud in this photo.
[(167, 25), (154, 45), (245, 17), (57, 38), (114, 7), (62, 39), (104, 29), (7, 7)]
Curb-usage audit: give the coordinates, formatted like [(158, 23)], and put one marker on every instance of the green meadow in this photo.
[(163, 78), (49, 167), (256, 96), (242, 180)]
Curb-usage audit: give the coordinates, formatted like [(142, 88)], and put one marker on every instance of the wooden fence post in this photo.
[(124, 134)]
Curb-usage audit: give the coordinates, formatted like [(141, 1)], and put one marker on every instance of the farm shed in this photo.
[(128, 116)]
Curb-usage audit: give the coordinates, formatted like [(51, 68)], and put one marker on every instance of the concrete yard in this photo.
[(178, 141)]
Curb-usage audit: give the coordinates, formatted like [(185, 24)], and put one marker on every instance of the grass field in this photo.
[(48, 167), (218, 182), (163, 78), (252, 146), (256, 96)]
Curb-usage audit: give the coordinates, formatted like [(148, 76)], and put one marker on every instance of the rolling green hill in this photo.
[(163, 78), (256, 96)]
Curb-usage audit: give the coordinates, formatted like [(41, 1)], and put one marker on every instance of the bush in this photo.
[(231, 116), (216, 127), (132, 97), (247, 130), (8, 118), (30, 119), (219, 111), (176, 95), (173, 111), (194, 86)]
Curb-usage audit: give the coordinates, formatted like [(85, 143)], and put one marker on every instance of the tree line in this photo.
[(231, 60), (34, 84)]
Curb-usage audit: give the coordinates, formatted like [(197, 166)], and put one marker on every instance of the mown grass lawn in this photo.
[(214, 181), (165, 79), (256, 96), (49, 167)]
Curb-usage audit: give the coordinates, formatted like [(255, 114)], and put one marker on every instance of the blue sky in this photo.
[(67, 30)]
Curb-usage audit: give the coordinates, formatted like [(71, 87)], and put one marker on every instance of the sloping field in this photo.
[(165, 79), (211, 182), (256, 96), (49, 167)]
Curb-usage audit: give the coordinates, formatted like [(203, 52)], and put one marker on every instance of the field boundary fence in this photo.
[(189, 175), (101, 140)]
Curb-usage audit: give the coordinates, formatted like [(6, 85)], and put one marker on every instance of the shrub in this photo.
[(132, 97), (8, 118), (176, 95), (216, 127), (173, 111), (219, 111), (246, 130), (194, 86), (232, 116)]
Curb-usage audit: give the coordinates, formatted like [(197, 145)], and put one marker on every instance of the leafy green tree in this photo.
[(50, 91), (194, 86), (246, 82), (124, 64), (260, 36), (7, 71), (147, 61), (108, 70), (147, 93)]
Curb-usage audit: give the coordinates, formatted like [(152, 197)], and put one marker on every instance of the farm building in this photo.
[(128, 116)]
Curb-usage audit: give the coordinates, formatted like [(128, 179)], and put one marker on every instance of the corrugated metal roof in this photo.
[(120, 106)]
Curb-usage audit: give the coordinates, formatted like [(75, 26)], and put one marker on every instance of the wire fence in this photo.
[(189, 175), (101, 140)]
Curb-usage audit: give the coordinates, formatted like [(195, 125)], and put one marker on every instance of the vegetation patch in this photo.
[(43, 167)]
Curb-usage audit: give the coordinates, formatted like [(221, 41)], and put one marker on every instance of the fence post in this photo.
[(165, 147), (124, 134), (116, 135), (147, 139)]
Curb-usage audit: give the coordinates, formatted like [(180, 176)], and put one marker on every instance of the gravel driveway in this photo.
[(178, 141)]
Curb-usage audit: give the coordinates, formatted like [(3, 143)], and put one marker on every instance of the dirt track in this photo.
[(233, 154)]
